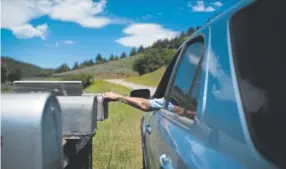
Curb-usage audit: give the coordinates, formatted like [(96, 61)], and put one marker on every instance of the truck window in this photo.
[(258, 48), (161, 89), (184, 91)]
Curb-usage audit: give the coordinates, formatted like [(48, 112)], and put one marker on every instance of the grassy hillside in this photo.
[(123, 68), (27, 69), (112, 69), (149, 79), (117, 143)]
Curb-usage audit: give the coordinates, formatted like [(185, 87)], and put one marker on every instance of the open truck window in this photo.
[(258, 48)]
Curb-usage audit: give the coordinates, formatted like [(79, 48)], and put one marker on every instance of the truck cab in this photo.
[(230, 73)]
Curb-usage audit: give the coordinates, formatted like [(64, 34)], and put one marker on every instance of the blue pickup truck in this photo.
[(231, 73)]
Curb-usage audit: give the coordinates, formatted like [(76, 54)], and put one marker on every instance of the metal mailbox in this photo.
[(31, 131), (80, 114), (60, 88), (101, 106)]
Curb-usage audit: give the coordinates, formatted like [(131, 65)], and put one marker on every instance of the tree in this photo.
[(4, 73), (104, 60), (116, 57), (75, 66), (182, 35), (62, 68), (190, 31), (98, 59), (133, 51), (111, 58), (141, 49), (152, 60), (14, 75), (90, 62), (123, 55)]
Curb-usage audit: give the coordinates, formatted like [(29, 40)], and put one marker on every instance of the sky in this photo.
[(51, 32)]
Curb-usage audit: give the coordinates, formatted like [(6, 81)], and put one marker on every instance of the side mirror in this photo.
[(142, 93)]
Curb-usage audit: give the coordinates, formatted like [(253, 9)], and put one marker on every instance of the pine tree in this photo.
[(123, 55), (62, 68), (190, 31), (111, 58), (133, 51), (98, 59), (141, 49), (75, 66)]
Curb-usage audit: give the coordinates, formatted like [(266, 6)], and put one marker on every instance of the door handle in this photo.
[(148, 129), (165, 162)]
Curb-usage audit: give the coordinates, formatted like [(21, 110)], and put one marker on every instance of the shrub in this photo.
[(152, 59), (84, 78)]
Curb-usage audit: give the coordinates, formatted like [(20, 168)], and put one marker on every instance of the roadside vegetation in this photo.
[(149, 79), (113, 69), (117, 143)]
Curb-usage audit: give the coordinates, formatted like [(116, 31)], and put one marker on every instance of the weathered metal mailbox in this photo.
[(79, 114), (31, 131), (60, 88), (101, 105)]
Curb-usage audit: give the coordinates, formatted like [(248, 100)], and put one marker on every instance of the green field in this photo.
[(149, 79), (117, 143)]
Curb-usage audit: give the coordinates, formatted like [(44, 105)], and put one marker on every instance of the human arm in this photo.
[(139, 103), (148, 105)]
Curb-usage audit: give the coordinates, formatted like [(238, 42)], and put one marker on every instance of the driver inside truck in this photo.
[(149, 104)]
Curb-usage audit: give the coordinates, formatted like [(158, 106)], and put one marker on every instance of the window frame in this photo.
[(169, 70), (198, 38)]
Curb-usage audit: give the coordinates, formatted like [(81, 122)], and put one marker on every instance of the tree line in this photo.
[(153, 57), (9, 75)]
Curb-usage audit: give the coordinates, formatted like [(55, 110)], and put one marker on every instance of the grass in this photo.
[(6, 88), (121, 68), (149, 79), (117, 143)]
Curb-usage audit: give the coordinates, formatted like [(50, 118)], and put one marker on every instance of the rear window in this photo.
[(258, 46)]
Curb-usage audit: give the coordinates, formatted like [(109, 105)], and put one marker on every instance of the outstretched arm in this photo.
[(139, 103)]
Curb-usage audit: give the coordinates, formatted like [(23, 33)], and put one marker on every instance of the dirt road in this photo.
[(130, 85)]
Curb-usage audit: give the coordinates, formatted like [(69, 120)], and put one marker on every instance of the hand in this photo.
[(110, 96)]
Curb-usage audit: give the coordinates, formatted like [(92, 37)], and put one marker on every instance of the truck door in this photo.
[(172, 139)]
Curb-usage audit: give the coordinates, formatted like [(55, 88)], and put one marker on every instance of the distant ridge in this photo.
[(27, 69)]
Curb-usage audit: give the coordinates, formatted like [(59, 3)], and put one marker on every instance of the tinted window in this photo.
[(185, 78), (161, 89), (258, 43)]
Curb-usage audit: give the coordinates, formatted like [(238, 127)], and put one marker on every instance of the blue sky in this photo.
[(51, 32)]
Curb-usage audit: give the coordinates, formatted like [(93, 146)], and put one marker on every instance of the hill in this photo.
[(113, 69), (26, 69)]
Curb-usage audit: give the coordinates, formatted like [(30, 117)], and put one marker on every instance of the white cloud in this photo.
[(209, 9), (82, 12), (58, 43), (200, 6), (218, 4), (28, 31), (16, 14), (144, 34), (94, 22), (68, 42)]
